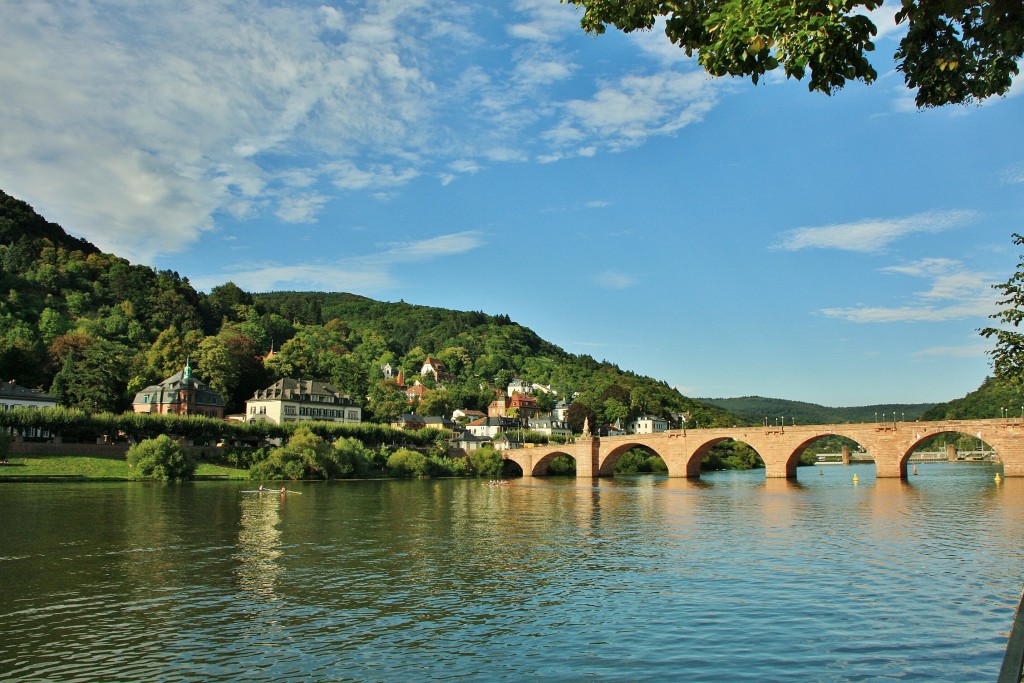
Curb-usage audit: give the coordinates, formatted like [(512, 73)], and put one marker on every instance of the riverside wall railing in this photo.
[(1013, 661)]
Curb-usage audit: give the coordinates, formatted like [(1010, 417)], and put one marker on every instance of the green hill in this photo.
[(92, 329), (992, 399)]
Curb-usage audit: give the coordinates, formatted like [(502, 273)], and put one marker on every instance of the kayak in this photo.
[(270, 491)]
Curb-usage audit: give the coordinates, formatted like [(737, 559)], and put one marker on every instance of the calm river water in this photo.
[(628, 579)]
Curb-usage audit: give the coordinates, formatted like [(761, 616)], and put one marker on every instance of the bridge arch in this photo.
[(606, 467), (793, 460), (608, 462), (541, 465)]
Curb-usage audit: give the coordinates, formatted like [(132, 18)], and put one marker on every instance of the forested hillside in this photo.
[(92, 329), (755, 409), (992, 399)]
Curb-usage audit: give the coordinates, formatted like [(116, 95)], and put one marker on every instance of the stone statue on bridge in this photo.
[(586, 427)]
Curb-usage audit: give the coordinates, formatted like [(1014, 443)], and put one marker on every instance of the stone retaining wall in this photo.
[(48, 448)]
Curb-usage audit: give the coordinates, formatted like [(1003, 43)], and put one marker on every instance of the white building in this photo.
[(648, 424), (14, 396), (518, 386), (492, 426), (550, 426), (291, 400)]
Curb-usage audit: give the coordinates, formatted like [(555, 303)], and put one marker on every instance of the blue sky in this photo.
[(726, 238)]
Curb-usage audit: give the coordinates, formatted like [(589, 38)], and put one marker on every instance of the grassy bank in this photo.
[(110, 468)]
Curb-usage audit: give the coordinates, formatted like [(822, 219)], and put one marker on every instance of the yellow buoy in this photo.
[(855, 479), (998, 478)]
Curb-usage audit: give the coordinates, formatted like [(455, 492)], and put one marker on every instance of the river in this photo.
[(730, 577)]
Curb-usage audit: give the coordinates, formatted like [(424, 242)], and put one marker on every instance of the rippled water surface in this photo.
[(732, 577)]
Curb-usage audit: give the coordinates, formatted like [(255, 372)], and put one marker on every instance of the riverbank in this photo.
[(43, 467)]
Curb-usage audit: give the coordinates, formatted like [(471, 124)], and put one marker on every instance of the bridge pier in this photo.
[(588, 452)]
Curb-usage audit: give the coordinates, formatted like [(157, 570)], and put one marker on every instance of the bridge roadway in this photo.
[(889, 444)]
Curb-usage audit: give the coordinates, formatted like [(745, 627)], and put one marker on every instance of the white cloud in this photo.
[(135, 127), (1014, 175), (626, 112), (884, 19), (872, 235), (139, 128), (971, 350), (954, 293), (347, 175), (432, 248), (611, 279), (300, 208), (547, 22), (365, 274)]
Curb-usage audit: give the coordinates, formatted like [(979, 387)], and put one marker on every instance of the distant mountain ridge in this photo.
[(755, 409)]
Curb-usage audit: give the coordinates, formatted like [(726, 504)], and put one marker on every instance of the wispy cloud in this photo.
[(967, 350), (611, 279), (365, 274), (627, 111), (954, 293), (872, 235), (544, 21), (140, 129)]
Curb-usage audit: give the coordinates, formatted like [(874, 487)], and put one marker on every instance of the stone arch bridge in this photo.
[(889, 444)]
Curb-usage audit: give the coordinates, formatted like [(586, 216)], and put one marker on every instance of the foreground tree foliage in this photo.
[(308, 456), (1008, 354), (954, 51), (160, 459)]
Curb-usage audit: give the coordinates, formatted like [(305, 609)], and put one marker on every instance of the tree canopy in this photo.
[(954, 51), (1008, 354)]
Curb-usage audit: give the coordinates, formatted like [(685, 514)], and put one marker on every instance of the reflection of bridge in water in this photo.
[(889, 444)]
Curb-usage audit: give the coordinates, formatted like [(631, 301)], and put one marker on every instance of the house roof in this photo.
[(168, 391), (11, 391), (287, 389), (523, 401)]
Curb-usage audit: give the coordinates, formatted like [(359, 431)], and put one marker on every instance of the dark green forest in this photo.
[(755, 409), (92, 329)]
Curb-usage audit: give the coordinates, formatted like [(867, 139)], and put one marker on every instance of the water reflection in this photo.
[(259, 544), (628, 578)]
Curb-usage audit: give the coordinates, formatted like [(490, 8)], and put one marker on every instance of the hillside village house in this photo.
[(498, 406), (411, 421), (180, 394), (436, 369), (648, 424), (548, 425), (492, 426), (468, 414), (467, 441), (524, 404), (518, 386), (14, 396), (291, 400)]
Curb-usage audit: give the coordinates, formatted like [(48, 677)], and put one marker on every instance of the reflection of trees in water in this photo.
[(259, 540)]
